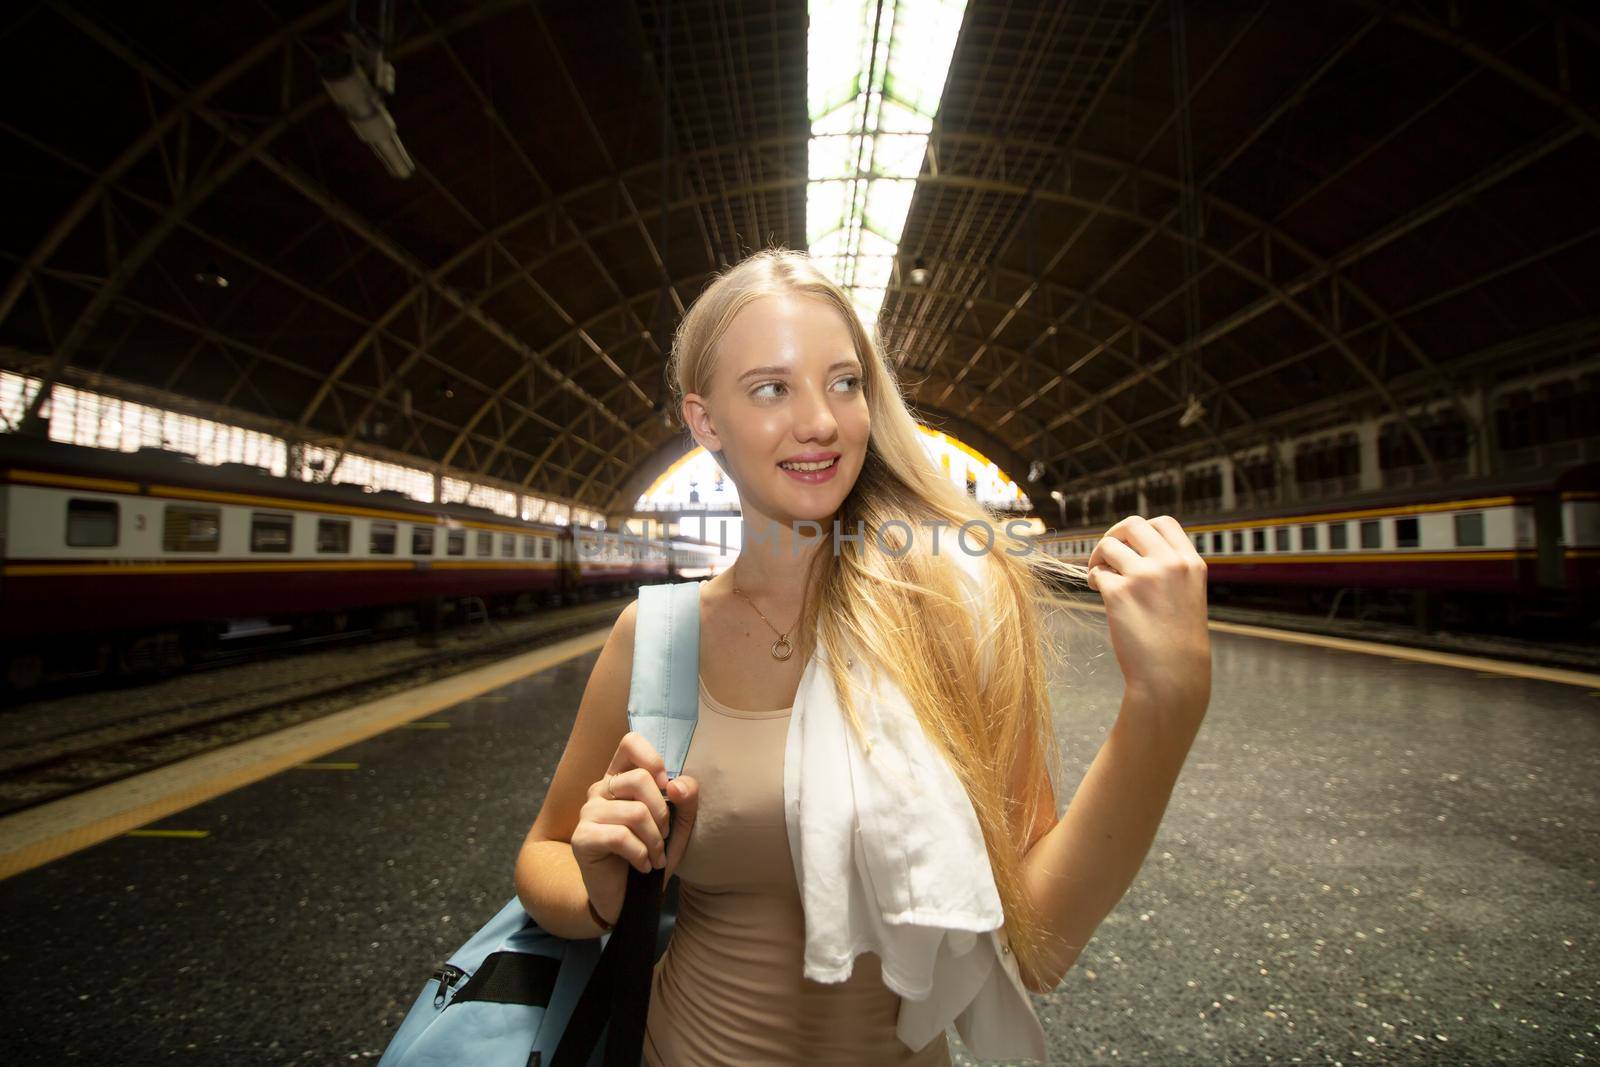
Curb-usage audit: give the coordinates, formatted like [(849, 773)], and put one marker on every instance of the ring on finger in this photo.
[(609, 794)]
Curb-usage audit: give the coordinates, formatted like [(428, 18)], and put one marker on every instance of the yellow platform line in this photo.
[(328, 766), (1481, 664), (40, 835), (168, 833)]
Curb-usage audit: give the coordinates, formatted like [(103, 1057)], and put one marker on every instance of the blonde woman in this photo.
[(777, 377)]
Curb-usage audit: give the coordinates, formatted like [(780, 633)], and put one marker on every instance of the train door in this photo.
[(1550, 539), (567, 564)]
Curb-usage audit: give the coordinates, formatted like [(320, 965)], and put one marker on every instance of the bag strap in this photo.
[(663, 706), (664, 694)]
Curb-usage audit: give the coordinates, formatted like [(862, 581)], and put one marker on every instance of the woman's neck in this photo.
[(774, 562)]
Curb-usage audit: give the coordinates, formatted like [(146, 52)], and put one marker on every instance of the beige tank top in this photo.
[(730, 990)]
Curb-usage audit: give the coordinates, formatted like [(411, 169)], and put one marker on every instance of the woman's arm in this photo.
[(1153, 583), (546, 873), (1078, 871)]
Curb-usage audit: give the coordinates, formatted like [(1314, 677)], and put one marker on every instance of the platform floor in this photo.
[(1366, 860)]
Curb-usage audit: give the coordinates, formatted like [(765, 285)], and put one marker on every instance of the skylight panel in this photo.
[(876, 71)]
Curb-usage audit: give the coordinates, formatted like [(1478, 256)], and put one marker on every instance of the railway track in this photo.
[(50, 769)]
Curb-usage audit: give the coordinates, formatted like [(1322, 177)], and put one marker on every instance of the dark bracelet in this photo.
[(596, 916)]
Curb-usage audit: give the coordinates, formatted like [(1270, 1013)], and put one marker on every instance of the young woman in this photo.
[(777, 377)]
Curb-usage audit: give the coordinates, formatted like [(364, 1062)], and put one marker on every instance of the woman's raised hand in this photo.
[(625, 821), (1154, 586)]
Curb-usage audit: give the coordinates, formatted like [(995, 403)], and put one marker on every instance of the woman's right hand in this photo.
[(624, 821)]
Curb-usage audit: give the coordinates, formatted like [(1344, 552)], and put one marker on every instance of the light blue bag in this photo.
[(515, 994)]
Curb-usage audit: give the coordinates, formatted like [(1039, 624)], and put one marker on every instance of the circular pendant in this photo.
[(781, 649)]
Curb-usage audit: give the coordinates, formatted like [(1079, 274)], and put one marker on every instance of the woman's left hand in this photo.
[(1153, 583)]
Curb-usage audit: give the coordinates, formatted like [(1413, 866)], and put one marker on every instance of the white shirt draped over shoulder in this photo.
[(890, 859)]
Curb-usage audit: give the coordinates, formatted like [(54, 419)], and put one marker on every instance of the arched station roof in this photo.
[(1384, 201)]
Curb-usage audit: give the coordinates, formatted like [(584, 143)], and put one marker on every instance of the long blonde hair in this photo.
[(984, 702)]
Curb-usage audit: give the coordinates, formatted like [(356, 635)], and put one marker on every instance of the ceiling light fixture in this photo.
[(212, 276), (345, 77)]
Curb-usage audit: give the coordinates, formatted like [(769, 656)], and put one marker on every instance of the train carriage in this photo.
[(1497, 549), (144, 560)]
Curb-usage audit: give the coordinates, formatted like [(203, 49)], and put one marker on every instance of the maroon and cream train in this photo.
[(132, 561), (1494, 550)]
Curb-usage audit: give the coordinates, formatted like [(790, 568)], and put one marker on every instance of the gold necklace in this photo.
[(781, 648)]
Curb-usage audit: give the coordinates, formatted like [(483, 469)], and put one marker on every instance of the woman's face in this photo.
[(788, 387)]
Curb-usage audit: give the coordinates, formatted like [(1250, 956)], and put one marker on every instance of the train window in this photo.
[(528, 548), (1371, 533), (1199, 542), (456, 543), (333, 535), (189, 529), (1258, 540), (508, 545), (1405, 532), (1216, 542), (1338, 536), (1280, 538), (271, 533), (422, 540), (91, 523), (547, 549), (485, 543), (1469, 529), (1308, 537), (381, 540), (1237, 541)]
